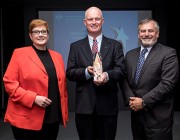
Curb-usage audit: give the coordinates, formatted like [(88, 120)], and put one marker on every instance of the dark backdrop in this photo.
[(17, 14)]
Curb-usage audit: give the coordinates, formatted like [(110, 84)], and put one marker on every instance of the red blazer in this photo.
[(25, 78)]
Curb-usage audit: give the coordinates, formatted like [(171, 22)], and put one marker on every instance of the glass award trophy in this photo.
[(97, 67)]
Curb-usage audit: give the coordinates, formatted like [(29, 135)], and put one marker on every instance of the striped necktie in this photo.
[(94, 46)]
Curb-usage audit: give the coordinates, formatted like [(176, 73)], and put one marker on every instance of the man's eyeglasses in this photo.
[(92, 19), (37, 32)]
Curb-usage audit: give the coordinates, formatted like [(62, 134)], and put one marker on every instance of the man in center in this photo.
[(96, 105)]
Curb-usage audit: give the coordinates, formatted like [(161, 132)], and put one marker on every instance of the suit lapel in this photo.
[(150, 56), (135, 58), (104, 47), (34, 57), (86, 50)]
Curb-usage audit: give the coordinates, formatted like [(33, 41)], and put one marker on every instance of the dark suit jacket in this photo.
[(88, 95), (157, 80)]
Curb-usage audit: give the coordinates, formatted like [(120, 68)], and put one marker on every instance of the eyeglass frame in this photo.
[(37, 32), (97, 19)]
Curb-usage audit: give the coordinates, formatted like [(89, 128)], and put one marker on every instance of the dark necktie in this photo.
[(95, 46), (139, 65)]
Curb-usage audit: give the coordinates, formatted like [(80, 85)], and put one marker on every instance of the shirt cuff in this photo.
[(88, 76)]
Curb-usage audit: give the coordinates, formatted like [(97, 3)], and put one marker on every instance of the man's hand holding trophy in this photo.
[(100, 77)]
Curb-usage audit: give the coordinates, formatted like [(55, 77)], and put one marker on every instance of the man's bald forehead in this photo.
[(93, 8)]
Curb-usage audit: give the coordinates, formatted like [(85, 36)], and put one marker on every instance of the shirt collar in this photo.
[(148, 48), (98, 38)]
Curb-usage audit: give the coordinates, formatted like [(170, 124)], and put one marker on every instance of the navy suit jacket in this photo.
[(89, 96), (157, 79)]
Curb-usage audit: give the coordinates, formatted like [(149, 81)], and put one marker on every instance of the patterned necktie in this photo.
[(94, 46), (139, 65)]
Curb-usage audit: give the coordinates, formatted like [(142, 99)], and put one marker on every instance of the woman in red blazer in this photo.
[(36, 84)]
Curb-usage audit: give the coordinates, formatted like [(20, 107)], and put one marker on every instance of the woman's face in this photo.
[(39, 36)]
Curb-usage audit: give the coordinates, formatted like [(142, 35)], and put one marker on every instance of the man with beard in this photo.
[(149, 83)]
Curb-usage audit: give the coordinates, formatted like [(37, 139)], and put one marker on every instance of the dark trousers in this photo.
[(141, 132), (96, 127), (48, 132)]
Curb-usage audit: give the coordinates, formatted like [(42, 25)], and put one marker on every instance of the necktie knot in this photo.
[(144, 51)]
